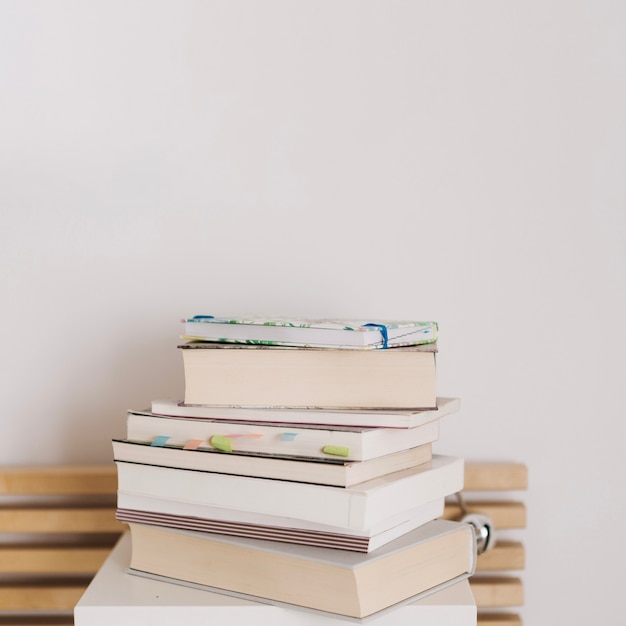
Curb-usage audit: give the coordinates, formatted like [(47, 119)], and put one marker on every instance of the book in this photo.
[(288, 532), (115, 597), (310, 332), (339, 473), (331, 581), (195, 516), (222, 374), (324, 441), (358, 507), (384, 418)]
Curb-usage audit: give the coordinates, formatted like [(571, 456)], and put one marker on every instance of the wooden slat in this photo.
[(34, 620), (499, 619), (44, 620), (42, 597), (52, 560), (505, 555), (87, 560), (102, 479), (59, 520), (504, 514), (497, 591), (495, 476), (58, 480)]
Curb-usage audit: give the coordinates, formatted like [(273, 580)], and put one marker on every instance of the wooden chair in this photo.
[(57, 526), (496, 585)]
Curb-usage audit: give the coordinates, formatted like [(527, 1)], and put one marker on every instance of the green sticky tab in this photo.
[(336, 450), (225, 444)]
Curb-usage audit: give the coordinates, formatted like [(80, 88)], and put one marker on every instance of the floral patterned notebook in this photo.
[(310, 333)]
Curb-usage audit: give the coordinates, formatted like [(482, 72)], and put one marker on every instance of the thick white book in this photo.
[(358, 507), (115, 597), (338, 472), (384, 418), (193, 516), (286, 530)]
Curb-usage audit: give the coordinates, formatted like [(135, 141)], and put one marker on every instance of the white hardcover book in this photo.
[(116, 597), (286, 530), (359, 507), (392, 527), (384, 418), (351, 443)]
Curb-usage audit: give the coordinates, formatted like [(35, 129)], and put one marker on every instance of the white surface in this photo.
[(115, 597), (458, 161)]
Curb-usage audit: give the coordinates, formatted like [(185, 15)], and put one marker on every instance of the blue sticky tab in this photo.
[(159, 442), (288, 436), (203, 317), (383, 332)]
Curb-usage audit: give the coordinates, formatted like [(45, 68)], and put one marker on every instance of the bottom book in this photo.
[(327, 580), (115, 597)]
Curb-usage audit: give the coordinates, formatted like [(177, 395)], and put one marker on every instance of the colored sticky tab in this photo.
[(336, 450), (254, 436), (193, 444), (288, 436), (159, 442), (220, 442)]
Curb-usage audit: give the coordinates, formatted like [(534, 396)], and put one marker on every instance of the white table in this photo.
[(115, 597)]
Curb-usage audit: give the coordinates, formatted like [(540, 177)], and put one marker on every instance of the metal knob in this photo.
[(482, 524), (484, 531)]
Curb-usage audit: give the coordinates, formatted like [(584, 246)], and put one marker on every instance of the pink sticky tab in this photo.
[(193, 444)]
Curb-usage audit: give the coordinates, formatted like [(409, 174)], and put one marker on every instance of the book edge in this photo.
[(269, 601)]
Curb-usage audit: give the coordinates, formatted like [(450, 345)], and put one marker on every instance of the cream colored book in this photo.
[(222, 374), (322, 579)]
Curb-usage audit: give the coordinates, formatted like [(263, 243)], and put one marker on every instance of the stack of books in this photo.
[(298, 469)]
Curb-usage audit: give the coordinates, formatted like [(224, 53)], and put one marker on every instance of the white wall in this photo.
[(457, 161)]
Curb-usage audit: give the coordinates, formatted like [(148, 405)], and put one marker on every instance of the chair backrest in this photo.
[(494, 490), (57, 526)]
